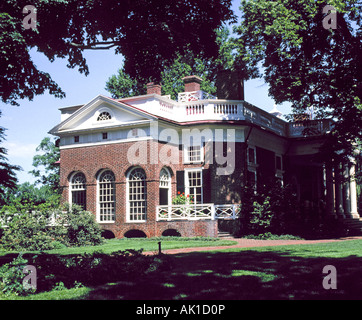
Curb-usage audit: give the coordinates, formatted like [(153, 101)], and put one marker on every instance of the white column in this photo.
[(329, 191), (353, 192), (338, 191), (346, 190)]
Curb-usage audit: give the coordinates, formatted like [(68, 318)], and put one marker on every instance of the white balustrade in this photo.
[(198, 105), (197, 211), (227, 211), (194, 96)]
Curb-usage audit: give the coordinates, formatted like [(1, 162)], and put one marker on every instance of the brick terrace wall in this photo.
[(93, 159)]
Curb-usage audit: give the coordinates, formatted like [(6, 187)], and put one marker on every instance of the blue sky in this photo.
[(30, 122)]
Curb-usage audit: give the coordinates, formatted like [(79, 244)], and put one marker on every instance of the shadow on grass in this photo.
[(240, 275)]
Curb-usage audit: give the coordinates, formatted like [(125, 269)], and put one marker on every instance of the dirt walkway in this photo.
[(250, 243)]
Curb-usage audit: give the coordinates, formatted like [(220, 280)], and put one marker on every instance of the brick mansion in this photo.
[(125, 160)]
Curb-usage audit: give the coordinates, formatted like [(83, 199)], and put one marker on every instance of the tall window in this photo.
[(252, 167), (193, 185), (251, 155), (78, 190), (165, 185), (137, 204), (279, 168), (106, 198)]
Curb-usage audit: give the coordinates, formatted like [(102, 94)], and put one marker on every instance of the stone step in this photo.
[(224, 234), (353, 223)]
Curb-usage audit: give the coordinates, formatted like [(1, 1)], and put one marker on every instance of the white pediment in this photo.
[(103, 112)]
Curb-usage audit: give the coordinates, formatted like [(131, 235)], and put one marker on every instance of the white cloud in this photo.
[(20, 150), (21, 154)]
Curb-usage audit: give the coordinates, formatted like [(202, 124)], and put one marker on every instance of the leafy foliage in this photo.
[(182, 198), (11, 277), (27, 196), (77, 228), (122, 85), (8, 179), (48, 161), (19, 78), (142, 31), (306, 64), (31, 229), (25, 231), (273, 208), (261, 216), (66, 271)]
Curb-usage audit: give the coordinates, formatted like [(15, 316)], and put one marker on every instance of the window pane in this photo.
[(78, 190), (194, 154), (106, 196), (104, 116), (195, 186), (251, 155), (137, 195)]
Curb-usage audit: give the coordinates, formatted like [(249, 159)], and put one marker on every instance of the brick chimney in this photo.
[(153, 88), (192, 83)]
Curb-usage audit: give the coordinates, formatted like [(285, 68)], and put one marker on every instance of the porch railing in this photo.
[(197, 212)]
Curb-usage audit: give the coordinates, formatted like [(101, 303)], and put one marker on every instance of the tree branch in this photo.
[(94, 45)]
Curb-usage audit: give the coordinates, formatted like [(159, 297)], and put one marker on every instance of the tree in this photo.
[(48, 161), (19, 77), (28, 197), (8, 179), (147, 33), (307, 64), (123, 85)]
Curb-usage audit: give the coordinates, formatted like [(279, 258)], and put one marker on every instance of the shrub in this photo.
[(79, 228), (96, 268), (270, 236), (26, 231), (11, 277), (273, 208), (261, 216), (31, 230)]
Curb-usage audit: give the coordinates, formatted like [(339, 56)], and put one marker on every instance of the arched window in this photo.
[(165, 185), (136, 186), (104, 116), (106, 198), (78, 190)]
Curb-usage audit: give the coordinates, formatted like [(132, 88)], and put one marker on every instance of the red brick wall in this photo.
[(91, 160)]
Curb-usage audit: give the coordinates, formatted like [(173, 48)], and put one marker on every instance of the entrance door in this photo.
[(164, 196)]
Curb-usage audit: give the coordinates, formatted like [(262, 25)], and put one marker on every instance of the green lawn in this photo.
[(280, 272), (147, 244)]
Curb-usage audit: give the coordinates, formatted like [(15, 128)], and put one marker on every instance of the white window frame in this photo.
[(253, 171), (279, 172), (79, 188), (112, 220), (187, 183), (96, 122), (166, 184), (187, 151), (104, 112), (281, 162), (252, 163), (128, 204)]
